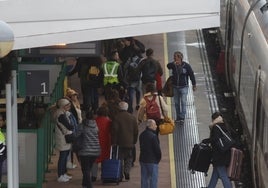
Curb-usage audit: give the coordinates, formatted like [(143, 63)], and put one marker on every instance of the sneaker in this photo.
[(67, 176), (63, 179)]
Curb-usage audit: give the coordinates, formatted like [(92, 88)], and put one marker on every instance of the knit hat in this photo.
[(70, 92), (215, 115), (123, 105), (62, 102)]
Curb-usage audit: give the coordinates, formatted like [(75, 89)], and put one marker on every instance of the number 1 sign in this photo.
[(37, 83)]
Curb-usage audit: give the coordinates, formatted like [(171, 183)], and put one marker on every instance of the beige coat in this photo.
[(141, 115), (60, 142)]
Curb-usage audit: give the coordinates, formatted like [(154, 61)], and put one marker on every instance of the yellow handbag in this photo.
[(167, 127)]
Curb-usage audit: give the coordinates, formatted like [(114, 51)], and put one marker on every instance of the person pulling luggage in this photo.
[(220, 160)]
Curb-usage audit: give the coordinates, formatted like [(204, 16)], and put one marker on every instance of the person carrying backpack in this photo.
[(150, 106), (91, 78), (149, 68), (133, 76)]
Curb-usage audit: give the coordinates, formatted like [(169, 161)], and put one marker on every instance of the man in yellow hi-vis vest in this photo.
[(110, 70)]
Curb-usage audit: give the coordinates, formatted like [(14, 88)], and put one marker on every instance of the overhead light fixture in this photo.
[(6, 39)]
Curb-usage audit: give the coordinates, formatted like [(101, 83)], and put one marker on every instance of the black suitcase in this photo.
[(200, 158)]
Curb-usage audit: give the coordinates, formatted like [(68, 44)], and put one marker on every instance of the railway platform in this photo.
[(176, 148)]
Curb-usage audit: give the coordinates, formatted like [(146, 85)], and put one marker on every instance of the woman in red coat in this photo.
[(104, 125)]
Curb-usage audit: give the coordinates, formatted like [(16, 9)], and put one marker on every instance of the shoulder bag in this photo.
[(225, 142), (168, 89)]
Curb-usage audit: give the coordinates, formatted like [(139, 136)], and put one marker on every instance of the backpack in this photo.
[(152, 109), (93, 73), (133, 69), (148, 71)]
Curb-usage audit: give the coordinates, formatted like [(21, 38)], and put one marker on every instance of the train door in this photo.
[(229, 40), (259, 152)]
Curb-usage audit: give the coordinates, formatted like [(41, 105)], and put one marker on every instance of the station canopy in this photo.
[(38, 23)]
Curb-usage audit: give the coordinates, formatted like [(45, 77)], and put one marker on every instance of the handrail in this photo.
[(45, 138)]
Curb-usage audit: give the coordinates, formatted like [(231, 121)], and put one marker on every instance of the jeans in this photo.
[(219, 172), (62, 162), (180, 97), (90, 98), (86, 166), (134, 87), (149, 175)]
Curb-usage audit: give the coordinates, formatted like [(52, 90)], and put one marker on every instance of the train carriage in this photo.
[(246, 66)]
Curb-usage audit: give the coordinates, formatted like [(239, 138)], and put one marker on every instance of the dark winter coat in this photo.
[(82, 66), (148, 69), (218, 158), (150, 151), (181, 74), (124, 130), (90, 143)]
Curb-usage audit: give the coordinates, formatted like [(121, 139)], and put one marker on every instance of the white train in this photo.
[(245, 33)]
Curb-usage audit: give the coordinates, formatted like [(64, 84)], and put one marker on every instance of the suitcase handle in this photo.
[(111, 152)]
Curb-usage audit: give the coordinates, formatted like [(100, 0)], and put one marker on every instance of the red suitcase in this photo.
[(235, 166)]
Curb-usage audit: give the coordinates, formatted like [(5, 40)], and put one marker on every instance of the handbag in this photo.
[(69, 138), (168, 89), (225, 142), (167, 125)]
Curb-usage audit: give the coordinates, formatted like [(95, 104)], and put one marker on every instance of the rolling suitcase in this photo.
[(235, 166), (200, 158), (111, 168)]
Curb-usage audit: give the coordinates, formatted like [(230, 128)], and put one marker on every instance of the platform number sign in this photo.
[(37, 83)]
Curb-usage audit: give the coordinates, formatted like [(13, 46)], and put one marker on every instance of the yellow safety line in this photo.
[(170, 136)]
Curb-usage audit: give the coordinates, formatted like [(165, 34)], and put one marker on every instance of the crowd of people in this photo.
[(118, 77)]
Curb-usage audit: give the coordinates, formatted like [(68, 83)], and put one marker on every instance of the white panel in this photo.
[(41, 23)]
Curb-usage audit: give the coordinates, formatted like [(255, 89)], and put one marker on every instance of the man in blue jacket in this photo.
[(150, 155), (181, 72)]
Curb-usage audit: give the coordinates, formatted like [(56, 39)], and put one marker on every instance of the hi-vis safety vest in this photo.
[(2, 143), (110, 74)]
